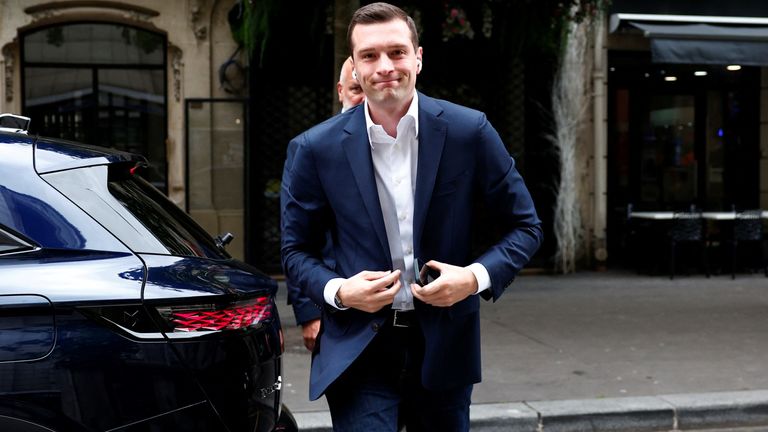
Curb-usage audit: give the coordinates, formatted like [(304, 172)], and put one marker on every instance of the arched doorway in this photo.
[(98, 83)]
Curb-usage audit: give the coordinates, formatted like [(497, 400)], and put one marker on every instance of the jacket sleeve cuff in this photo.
[(481, 274), (305, 311), (331, 288)]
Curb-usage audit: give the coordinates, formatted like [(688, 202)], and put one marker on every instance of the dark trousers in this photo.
[(381, 391)]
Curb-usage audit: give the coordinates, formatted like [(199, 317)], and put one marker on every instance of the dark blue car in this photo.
[(117, 311)]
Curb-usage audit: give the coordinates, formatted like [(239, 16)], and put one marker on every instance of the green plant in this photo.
[(258, 15)]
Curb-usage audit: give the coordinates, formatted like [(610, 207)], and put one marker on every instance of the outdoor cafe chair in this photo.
[(686, 228), (747, 228)]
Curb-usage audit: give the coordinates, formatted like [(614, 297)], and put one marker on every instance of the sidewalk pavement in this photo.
[(603, 351)]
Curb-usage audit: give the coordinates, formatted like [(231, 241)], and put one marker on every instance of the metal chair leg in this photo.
[(704, 252), (672, 261)]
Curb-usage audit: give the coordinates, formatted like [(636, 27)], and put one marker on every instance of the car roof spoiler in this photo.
[(14, 123)]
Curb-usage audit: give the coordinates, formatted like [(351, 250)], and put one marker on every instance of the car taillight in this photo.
[(216, 317), (184, 321)]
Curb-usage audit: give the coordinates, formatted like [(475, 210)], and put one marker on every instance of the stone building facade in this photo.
[(163, 78)]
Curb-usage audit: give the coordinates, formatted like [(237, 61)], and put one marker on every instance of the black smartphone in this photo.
[(425, 274)]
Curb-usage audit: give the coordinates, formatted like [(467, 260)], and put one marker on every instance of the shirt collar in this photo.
[(413, 111)]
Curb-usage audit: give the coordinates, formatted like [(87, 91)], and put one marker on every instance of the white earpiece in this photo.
[(418, 65), (354, 74)]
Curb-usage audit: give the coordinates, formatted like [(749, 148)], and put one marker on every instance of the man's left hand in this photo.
[(454, 285)]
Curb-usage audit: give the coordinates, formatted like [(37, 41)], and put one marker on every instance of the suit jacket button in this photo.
[(375, 327)]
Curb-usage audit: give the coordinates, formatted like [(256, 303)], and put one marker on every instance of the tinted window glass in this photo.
[(41, 215), (169, 224), (134, 211)]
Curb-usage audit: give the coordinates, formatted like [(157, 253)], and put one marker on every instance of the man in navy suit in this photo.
[(304, 309), (393, 181)]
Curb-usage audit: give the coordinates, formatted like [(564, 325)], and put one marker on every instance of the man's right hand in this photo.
[(309, 331), (367, 290)]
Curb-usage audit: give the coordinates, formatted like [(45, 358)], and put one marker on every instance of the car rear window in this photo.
[(134, 211), (169, 224)]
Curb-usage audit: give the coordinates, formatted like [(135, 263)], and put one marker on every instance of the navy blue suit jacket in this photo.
[(332, 189), (304, 309)]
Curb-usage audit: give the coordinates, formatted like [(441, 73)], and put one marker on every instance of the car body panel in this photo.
[(27, 327), (172, 277), (72, 276), (97, 379), (249, 374)]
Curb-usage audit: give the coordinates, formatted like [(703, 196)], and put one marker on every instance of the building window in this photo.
[(217, 149), (99, 83), (682, 135)]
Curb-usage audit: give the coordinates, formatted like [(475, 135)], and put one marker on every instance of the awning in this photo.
[(689, 42)]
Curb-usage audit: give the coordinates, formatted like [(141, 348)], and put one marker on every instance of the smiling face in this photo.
[(386, 63)]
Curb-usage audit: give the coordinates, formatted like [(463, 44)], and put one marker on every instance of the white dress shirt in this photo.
[(395, 161), (394, 165)]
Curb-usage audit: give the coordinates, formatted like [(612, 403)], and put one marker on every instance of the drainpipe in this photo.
[(213, 69), (600, 125)]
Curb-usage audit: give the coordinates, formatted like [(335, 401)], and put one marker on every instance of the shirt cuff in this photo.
[(332, 287), (481, 274)]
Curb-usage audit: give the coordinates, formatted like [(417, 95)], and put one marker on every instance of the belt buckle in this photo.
[(403, 322)]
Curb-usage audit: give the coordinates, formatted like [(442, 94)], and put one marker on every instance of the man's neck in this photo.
[(388, 116)]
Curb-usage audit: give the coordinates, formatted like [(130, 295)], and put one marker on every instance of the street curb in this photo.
[(614, 414), (649, 413), (517, 417), (746, 408)]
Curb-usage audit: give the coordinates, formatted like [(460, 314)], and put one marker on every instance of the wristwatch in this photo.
[(338, 302)]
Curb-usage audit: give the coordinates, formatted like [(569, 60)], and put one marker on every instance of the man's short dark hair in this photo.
[(381, 13)]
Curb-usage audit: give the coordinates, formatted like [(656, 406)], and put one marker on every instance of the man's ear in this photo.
[(419, 59)]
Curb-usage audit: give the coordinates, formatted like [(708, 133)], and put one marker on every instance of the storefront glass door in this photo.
[(680, 136)]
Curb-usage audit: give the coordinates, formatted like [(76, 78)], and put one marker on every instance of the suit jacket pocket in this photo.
[(450, 185)]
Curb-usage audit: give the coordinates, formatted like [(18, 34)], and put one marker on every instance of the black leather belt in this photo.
[(403, 318)]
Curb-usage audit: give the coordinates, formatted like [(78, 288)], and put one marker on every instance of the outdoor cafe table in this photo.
[(651, 226), (728, 215), (668, 215)]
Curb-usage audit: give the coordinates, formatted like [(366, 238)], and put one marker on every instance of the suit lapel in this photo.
[(432, 135), (358, 150)]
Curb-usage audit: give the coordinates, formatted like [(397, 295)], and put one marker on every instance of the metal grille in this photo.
[(508, 111), (504, 106), (503, 102), (282, 112)]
